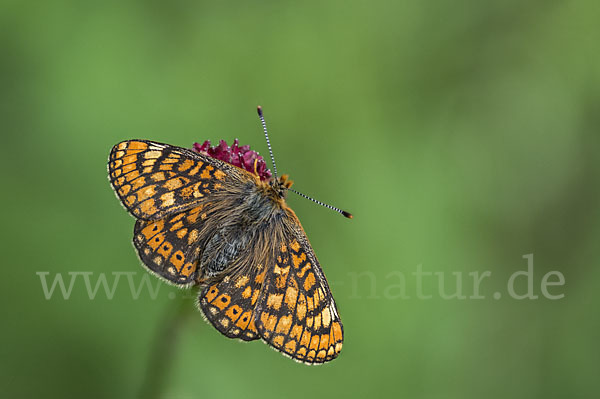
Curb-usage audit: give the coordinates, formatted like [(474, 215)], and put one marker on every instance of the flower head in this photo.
[(242, 157)]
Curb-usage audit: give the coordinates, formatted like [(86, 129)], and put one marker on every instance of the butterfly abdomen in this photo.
[(222, 249)]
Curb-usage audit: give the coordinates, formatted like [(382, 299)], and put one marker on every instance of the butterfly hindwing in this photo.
[(153, 179), (170, 246), (230, 304), (296, 313)]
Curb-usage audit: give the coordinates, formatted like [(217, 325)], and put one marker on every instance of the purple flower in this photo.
[(242, 157)]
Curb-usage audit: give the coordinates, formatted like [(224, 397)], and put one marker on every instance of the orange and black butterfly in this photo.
[(215, 217)]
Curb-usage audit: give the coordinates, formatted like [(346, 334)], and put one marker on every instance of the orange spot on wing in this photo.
[(305, 340), (129, 159), (196, 168), (124, 190), (130, 200), (317, 322), (177, 260), (158, 176), (326, 317), (212, 292), (309, 281), (251, 326), (295, 246), (234, 312), (301, 353), (260, 277), (241, 281), (220, 175), (274, 301), (268, 321), (337, 331), (165, 249), (309, 322), (192, 236), (148, 207), (290, 296), (206, 172), (137, 145), (297, 260), (338, 347), (324, 341), (244, 319), (146, 193), (177, 217), (247, 292), (155, 242), (130, 169), (301, 307), (138, 183), (254, 296), (290, 347), (285, 322), (314, 342), (304, 270), (176, 226), (296, 332), (153, 228), (222, 301), (173, 184), (187, 191), (310, 304), (278, 341), (188, 269)]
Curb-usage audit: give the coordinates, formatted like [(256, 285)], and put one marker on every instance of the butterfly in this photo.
[(203, 221)]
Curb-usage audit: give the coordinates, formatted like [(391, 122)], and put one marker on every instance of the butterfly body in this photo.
[(202, 221)]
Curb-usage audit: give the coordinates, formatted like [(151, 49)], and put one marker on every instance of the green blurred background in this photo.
[(462, 134)]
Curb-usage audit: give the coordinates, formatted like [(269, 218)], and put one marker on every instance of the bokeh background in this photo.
[(462, 134)]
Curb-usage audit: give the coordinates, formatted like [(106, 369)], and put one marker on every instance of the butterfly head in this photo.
[(281, 185)]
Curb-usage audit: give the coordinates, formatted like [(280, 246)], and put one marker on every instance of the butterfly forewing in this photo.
[(296, 313), (153, 179)]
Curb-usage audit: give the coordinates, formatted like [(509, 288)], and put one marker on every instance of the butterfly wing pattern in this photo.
[(166, 189), (230, 304), (168, 246), (297, 314), (153, 180), (201, 221)]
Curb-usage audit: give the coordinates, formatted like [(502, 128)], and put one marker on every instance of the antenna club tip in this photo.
[(347, 214), (259, 110)]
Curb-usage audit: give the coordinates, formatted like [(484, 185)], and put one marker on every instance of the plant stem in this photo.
[(164, 347)]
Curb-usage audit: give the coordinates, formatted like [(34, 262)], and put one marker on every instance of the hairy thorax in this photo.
[(254, 214)]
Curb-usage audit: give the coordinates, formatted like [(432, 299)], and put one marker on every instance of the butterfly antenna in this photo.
[(264, 125), (347, 214)]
